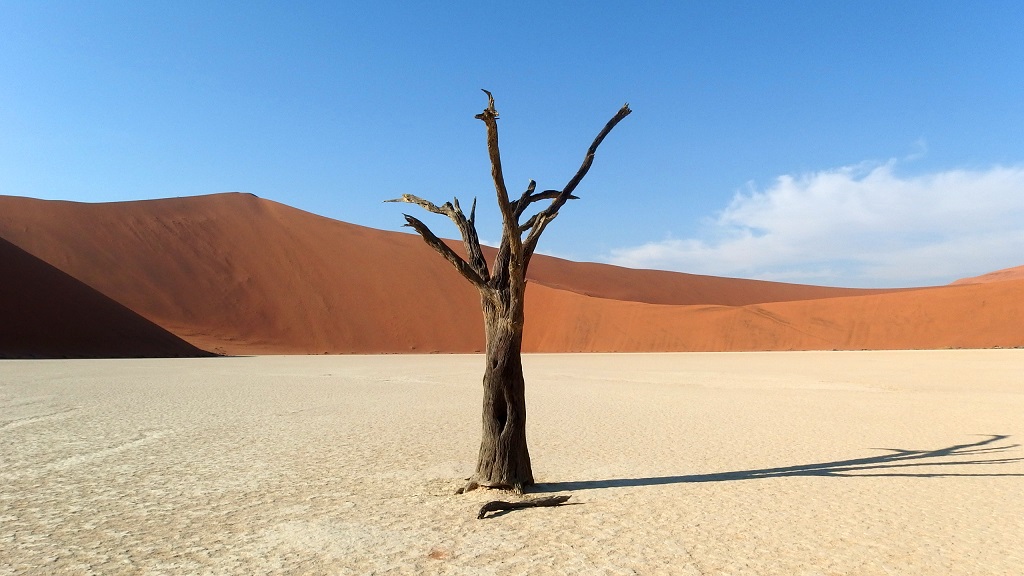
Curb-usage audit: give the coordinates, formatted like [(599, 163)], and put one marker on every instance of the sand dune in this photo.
[(236, 274), (661, 287), (1015, 273), (979, 316), (48, 314)]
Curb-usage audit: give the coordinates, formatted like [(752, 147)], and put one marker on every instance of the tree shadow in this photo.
[(897, 463)]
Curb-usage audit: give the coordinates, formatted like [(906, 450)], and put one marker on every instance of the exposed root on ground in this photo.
[(495, 505)]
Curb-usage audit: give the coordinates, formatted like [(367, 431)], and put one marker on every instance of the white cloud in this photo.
[(857, 226)]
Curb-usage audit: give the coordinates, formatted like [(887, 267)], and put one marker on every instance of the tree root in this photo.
[(495, 505), (471, 485), (468, 487)]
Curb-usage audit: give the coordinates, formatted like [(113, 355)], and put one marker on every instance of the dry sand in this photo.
[(731, 463)]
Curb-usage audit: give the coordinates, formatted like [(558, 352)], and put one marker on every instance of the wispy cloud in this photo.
[(860, 225)]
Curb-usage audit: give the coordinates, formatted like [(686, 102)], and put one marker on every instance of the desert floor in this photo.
[(723, 463)]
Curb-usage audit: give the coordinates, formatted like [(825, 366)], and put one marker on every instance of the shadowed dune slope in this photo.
[(48, 314), (235, 274)]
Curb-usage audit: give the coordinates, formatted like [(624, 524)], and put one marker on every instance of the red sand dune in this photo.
[(966, 317), (235, 274), (660, 287), (48, 314), (1015, 273)]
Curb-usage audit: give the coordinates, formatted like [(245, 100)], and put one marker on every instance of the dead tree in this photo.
[(504, 460)]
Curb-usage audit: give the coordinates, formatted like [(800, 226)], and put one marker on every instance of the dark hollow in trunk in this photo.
[(504, 459)]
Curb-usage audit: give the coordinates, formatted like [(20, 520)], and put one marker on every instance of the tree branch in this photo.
[(467, 228), (464, 268), (500, 270), (425, 204), (514, 253), (511, 224), (539, 222), (529, 197), (470, 239), (589, 159), (548, 214), (519, 205)]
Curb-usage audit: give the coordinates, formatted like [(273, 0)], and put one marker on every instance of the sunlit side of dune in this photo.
[(236, 274)]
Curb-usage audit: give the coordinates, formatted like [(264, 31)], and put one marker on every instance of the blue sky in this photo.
[(838, 143)]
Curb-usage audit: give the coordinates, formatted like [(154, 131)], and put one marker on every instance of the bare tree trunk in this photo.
[(504, 459)]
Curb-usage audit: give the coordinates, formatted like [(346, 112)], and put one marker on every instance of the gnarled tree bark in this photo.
[(504, 458)]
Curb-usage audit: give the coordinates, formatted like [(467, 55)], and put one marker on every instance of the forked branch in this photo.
[(466, 226), (529, 197), (519, 205), (441, 248), (514, 253)]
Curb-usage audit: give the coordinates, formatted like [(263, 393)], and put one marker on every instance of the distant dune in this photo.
[(934, 318), (660, 287), (1015, 273), (236, 274)]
